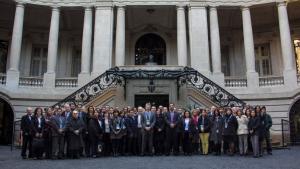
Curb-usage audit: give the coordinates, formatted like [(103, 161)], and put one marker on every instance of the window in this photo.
[(263, 60), (225, 62), (76, 62), (297, 54), (3, 55), (38, 60)]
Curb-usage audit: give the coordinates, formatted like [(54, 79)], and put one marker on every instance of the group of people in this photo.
[(74, 131)]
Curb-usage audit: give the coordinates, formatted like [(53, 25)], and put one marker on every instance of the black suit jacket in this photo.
[(27, 125)]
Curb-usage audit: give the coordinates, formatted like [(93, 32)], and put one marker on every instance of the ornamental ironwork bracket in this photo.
[(186, 76)]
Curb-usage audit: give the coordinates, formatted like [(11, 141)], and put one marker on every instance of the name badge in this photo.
[(202, 127), (226, 125), (217, 131), (148, 122), (118, 127), (186, 128)]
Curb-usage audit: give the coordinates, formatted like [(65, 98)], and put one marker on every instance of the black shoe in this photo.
[(270, 153), (24, 157)]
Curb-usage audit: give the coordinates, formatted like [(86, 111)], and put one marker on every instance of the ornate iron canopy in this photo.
[(186, 76)]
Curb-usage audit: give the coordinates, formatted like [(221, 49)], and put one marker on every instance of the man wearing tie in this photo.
[(27, 133), (172, 119), (148, 122)]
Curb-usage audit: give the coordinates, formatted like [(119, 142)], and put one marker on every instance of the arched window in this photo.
[(150, 44)]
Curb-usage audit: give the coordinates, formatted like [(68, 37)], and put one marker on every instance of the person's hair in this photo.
[(88, 110), (217, 112), (36, 110), (188, 112)]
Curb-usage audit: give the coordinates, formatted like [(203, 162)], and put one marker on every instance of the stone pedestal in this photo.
[(12, 79), (49, 80)]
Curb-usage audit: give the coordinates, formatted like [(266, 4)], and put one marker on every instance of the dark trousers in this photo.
[(123, 145), (131, 145), (139, 141), (116, 146), (87, 145), (172, 141), (147, 143), (186, 143), (268, 141), (58, 143), (159, 138), (107, 144), (27, 144), (94, 146), (217, 148)]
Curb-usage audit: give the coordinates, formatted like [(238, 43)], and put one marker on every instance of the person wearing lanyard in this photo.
[(230, 131), (106, 121), (204, 129), (187, 130), (58, 131), (115, 133), (216, 132), (171, 120), (148, 122)]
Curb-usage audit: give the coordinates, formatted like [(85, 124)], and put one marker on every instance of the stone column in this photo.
[(49, 76), (84, 75), (252, 75), (181, 36), (218, 76), (289, 71), (120, 36), (103, 34), (15, 49), (199, 48)]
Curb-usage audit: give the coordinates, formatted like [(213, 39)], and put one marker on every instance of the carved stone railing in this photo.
[(2, 79), (271, 81), (116, 77), (235, 81), (31, 81), (298, 78), (69, 82)]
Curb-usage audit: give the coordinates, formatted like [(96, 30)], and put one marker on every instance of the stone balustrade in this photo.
[(31, 81), (69, 82), (271, 81), (235, 82)]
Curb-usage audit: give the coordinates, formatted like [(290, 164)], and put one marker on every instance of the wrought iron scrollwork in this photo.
[(186, 76)]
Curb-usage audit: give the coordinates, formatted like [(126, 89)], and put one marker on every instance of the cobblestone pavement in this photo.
[(281, 159)]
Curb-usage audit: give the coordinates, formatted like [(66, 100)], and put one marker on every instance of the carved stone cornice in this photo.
[(84, 3)]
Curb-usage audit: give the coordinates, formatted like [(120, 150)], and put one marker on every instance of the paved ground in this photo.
[(281, 159)]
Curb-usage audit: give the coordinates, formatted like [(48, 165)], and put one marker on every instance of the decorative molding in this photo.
[(84, 3)]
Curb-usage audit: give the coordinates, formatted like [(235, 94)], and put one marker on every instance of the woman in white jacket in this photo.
[(242, 132)]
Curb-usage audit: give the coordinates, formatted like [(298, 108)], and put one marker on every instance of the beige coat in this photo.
[(242, 125)]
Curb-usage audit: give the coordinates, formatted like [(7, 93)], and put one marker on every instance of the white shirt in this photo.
[(186, 124)]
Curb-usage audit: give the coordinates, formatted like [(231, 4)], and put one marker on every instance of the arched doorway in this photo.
[(150, 45), (295, 123), (6, 122)]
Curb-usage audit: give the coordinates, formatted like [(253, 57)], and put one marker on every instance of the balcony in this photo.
[(235, 81), (31, 81), (2, 79), (271, 81), (69, 82)]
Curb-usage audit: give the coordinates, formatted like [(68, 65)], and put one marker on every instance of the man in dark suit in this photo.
[(27, 127), (148, 122), (58, 133), (172, 120)]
